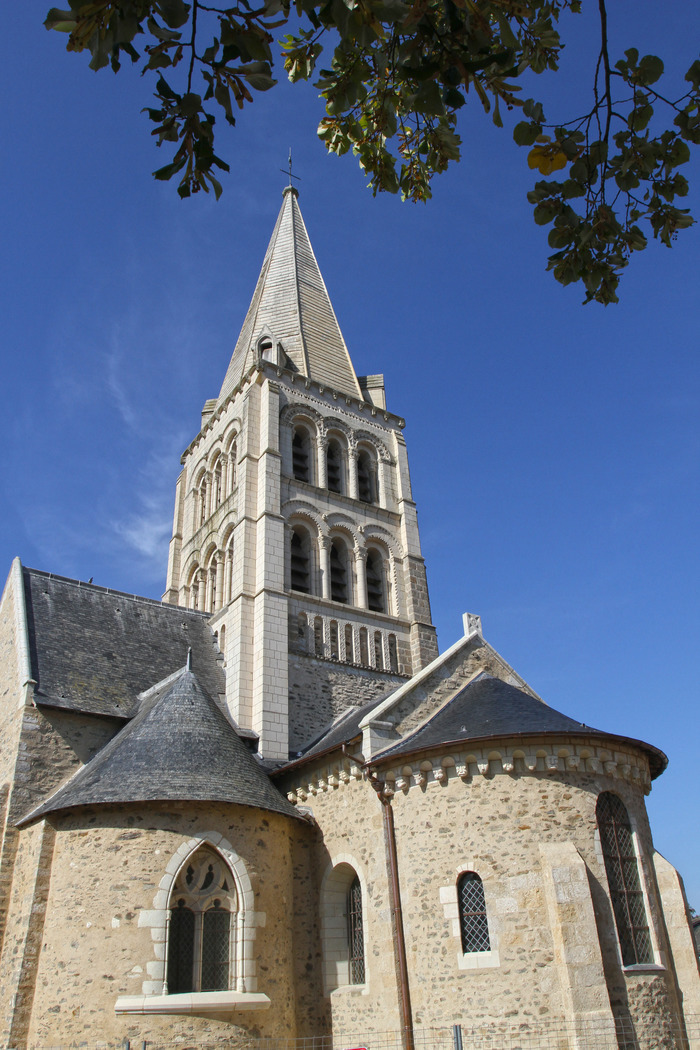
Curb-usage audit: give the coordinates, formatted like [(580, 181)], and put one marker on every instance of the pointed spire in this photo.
[(292, 307)]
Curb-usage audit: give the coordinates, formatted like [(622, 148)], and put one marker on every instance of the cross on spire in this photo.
[(288, 171)]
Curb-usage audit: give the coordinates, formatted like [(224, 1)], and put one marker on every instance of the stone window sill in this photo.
[(636, 968), (209, 1003), (479, 960), (350, 989)]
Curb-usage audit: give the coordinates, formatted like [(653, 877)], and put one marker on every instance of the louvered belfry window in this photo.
[(356, 936), (473, 923), (202, 909), (622, 871)]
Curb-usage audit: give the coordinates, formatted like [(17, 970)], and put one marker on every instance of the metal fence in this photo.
[(658, 1033)]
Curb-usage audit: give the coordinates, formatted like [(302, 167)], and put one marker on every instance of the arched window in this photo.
[(335, 466), (366, 477), (473, 923), (376, 591), (339, 572), (301, 631), (231, 471), (301, 454), (621, 868), (342, 928), (300, 559), (201, 926), (334, 639), (356, 933)]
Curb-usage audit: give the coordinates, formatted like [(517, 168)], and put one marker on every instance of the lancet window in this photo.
[(201, 928), (619, 854), (473, 922)]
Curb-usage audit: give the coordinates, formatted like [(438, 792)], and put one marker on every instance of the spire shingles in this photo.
[(292, 306)]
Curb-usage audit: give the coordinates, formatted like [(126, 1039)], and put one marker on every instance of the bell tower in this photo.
[(295, 525)]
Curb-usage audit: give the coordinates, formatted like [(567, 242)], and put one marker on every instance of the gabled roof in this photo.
[(291, 305), (178, 747), (94, 650)]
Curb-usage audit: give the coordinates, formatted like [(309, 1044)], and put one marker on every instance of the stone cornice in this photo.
[(471, 759)]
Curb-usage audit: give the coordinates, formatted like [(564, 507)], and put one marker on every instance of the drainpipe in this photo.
[(396, 913)]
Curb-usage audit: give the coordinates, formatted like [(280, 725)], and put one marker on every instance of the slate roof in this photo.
[(179, 747), (344, 729), (291, 301), (94, 650), (487, 707)]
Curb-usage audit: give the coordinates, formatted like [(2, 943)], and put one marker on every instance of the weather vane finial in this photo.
[(288, 171)]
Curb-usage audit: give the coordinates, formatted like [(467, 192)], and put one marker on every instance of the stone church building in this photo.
[(267, 808)]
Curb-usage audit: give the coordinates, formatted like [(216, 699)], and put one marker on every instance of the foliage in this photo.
[(399, 73)]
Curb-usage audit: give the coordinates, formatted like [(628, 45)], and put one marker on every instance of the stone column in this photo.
[(321, 461), (361, 577), (228, 573), (383, 483), (324, 546), (219, 579), (352, 473)]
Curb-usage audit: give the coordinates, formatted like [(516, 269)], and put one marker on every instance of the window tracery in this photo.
[(201, 929)]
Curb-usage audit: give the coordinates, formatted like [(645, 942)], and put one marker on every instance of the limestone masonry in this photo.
[(266, 808)]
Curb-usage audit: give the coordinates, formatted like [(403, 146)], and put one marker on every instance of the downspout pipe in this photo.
[(396, 912)]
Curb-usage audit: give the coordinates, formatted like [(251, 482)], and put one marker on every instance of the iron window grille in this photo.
[(473, 923), (622, 871), (356, 937)]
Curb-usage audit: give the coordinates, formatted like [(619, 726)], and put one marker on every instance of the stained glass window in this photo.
[(622, 871)]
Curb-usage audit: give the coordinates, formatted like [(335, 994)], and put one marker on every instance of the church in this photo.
[(267, 809)]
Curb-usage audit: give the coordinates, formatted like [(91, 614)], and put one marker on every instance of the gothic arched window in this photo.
[(617, 842), (376, 591), (201, 926), (473, 923), (217, 490), (301, 454), (339, 572)]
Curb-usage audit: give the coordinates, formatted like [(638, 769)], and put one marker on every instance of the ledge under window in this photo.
[(635, 968), (210, 1003), (479, 960)]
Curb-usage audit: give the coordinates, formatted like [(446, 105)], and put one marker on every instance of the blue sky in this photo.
[(554, 447)]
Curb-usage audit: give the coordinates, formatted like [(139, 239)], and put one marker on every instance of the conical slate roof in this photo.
[(488, 707), (291, 305), (179, 747)]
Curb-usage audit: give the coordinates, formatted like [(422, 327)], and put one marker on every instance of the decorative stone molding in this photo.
[(247, 919), (488, 762)]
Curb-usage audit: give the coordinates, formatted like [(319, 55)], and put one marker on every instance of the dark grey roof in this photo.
[(94, 650), (488, 707), (180, 747), (345, 728)]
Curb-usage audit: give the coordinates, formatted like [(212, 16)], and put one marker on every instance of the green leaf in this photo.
[(525, 133), (173, 12), (651, 69)]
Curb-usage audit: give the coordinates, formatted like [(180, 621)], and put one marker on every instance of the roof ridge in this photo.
[(86, 585)]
